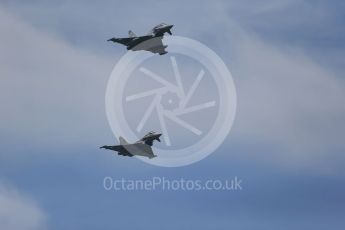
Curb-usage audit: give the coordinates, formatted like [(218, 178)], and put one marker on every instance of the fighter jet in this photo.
[(152, 41), (142, 147)]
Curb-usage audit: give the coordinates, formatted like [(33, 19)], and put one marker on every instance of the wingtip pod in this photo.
[(153, 156)]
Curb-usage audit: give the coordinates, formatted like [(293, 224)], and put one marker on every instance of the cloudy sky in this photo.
[(286, 144)]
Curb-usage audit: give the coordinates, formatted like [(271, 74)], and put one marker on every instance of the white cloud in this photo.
[(19, 212), (287, 100), (51, 93)]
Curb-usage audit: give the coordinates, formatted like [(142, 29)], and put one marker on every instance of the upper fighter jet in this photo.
[(152, 41), (142, 147)]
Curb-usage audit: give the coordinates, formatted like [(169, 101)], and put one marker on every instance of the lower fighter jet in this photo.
[(142, 147), (150, 42)]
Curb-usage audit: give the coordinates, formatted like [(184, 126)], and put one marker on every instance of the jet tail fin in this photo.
[(131, 34), (122, 141)]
